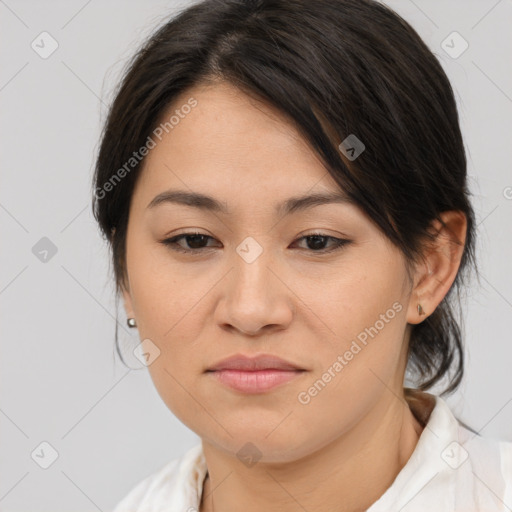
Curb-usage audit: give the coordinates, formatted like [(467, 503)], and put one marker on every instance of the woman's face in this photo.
[(253, 285)]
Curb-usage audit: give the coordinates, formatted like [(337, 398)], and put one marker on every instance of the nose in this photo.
[(255, 297)]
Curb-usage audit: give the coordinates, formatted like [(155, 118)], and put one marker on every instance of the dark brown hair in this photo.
[(334, 68)]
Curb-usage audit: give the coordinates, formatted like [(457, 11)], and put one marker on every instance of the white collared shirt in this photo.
[(450, 470)]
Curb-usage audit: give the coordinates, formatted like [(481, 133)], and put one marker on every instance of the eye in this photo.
[(195, 242), (317, 241)]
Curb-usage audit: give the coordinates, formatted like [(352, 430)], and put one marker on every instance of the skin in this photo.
[(345, 447)]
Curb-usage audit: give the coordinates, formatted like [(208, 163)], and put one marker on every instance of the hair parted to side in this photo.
[(334, 68)]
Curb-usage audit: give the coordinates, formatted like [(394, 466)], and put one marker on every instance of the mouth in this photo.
[(253, 363), (255, 381), (254, 374)]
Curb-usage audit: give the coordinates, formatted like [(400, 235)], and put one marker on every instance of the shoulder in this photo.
[(490, 459), (458, 442), (161, 487), (452, 467), (484, 478)]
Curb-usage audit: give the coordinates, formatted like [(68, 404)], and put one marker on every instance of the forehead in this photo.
[(231, 146), (226, 123)]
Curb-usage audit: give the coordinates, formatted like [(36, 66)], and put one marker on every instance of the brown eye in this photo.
[(316, 242), (194, 242)]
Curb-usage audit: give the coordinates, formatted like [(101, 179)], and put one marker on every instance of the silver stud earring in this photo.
[(131, 322)]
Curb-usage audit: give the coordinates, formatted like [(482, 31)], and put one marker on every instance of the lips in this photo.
[(256, 374), (260, 362)]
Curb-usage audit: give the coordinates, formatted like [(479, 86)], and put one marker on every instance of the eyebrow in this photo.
[(208, 203)]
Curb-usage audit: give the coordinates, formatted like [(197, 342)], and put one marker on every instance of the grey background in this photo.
[(60, 382)]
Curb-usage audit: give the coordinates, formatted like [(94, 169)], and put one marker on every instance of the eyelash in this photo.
[(339, 243)]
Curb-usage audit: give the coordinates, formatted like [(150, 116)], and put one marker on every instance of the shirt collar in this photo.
[(426, 465)]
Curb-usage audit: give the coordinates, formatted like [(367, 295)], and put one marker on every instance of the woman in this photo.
[(283, 185)]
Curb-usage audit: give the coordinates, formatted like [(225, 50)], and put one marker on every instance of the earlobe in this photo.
[(441, 263)]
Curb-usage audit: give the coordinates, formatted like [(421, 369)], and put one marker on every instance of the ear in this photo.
[(440, 264)]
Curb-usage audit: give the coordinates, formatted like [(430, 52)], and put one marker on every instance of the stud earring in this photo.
[(131, 322), (420, 310)]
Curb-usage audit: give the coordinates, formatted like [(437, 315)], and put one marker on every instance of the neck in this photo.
[(349, 474)]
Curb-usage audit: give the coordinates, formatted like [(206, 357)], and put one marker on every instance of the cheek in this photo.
[(177, 386), (354, 296), (351, 376), (164, 291), (366, 318), (168, 307)]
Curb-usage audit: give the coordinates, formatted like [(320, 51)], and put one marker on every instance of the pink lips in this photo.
[(254, 374)]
